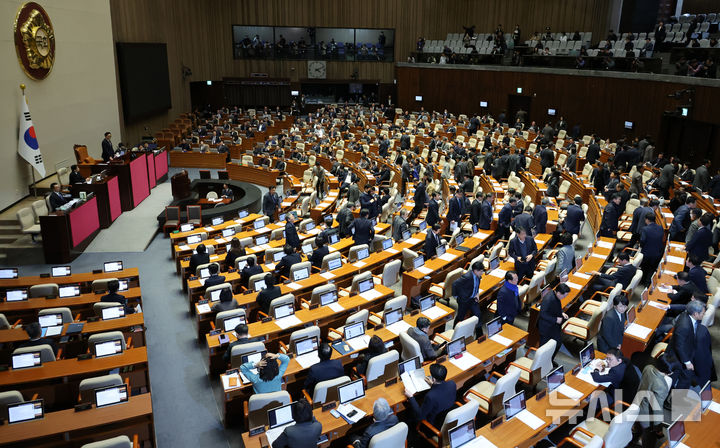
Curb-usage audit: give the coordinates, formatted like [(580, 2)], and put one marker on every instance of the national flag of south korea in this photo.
[(28, 146)]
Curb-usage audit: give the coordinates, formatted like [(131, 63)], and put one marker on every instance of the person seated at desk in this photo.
[(242, 332), (623, 275), (432, 241), (420, 333), (612, 327), (617, 364), (34, 331), (326, 369), (75, 176), (306, 430), (320, 251), (440, 397), (227, 192), (682, 293), (248, 271), (235, 251), (199, 257), (523, 249), (376, 347), (269, 375), (291, 257), (697, 273), (383, 418), (185, 145), (56, 197), (214, 278), (113, 296), (267, 295), (226, 302)]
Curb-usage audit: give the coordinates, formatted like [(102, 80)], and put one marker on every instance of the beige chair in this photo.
[(354, 286), (410, 348), (391, 437), (464, 329), (616, 433), (87, 386), (381, 368), (100, 306), (532, 370), (589, 306), (444, 289), (318, 292), (285, 299), (26, 219), (490, 397), (7, 398), (391, 273), (67, 316), (454, 418), (399, 302), (99, 338), (353, 253), (329, 257), (297, 335), (299, 267), (46, 352), (4, 323), (229, 314), (40, 208), (582, 329), (238, 350), (408, 256), (359, 316), (326, 391), (101, 284), (258, 405), (115, 442)]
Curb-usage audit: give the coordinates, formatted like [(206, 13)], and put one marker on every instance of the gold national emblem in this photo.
[(34, 40)]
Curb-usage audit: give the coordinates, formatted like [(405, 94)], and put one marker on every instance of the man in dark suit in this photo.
[(383, 418), (702, 239), (539, 215), (369, 201), (682, 293), (56, 197), (248, 271), (432, 241), (306, 430), (291, 236), (199, 257), (227, 192), (681, 221), (523, 249), (468, 184), (326, 369), (440, 397), (34, 331), (703, 360), (242, 332), (113, 296), (547, 158), (362, 229), (476, 209), (214, 278), (651, 246), (574, 216), (320, 251), (702, 176), (267, 295), (75, 176), (420, 199), (617, 365), (593, 152), (107, 148), (623, 275), (551, 315), (638, 221), (466, 290), (486, 212), (508, 301), (682, 343), (420, 334), (291, 258), (696, 273), (610, 217), (613, 325), (455, 207), (524, 220), (505, 217), (383, 147), (432, 216), (271, 202)]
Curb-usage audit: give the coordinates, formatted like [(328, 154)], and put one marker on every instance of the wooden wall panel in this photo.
[(600, 104), (700, 6), (199, 34)]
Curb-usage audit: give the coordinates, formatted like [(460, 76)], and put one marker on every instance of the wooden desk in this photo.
[(14, 335), (29, 308), (213, 203), (253, 175), (176, 237), (193, 159), (67, 428), (85, 278), (706, 432)]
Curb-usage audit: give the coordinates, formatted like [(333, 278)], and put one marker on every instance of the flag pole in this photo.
[(32, 168)]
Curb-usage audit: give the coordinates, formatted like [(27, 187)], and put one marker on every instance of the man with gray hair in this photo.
[(682, 343), (383, 418), (399, 225)]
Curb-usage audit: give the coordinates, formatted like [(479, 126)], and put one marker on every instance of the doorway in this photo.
[(515, 104)]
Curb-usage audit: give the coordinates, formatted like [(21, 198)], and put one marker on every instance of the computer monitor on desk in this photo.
[(456, 348), (242, 214), (462, 435), (50, 320), (25, 411), (392, 316), (16, 295), (230, 323), (418, 262), (514, 405), (107, 348), (8, 273), (351, 391), (494, 326), (259, 285), (69, 291), (194, 239), (281, 311), (108, 396), (362, 253), (26, 360), (259, 241), (230, 231), (328, 298), (60, 271), (354, 330), (555, 378), (113, 266), (301, 274), (675, 433), (587, 354), (334, 238), (253, 357), (281, 416), (387, 243), (186, 227), (113, 312), (334, 264), (306, 345), (365, 285)]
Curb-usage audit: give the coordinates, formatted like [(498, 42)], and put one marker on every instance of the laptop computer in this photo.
[(242, 214), (278, 419), (462, 435), (514, 405), (555, 378), (259, 224), (406, 235), (281, 217), (259, 285), (494, 326), (494, 263), (387, 243), (69, 291), (587, 354), (422, 226), (108, 396), (328, 298), (277, 256), (459, 239), (8, 273), (113, 266), (253, 357), (281, 311), (675, 433), (261, 240), (309, 226), (418, 262), (107, 348), (351, 391), (60, 271), (230, 231), (301, 274), (50, 320), (25, 411), (113, 312), (194, 238), (26, 360), (16, 295), (334, 264), (354, 330), (230, 323)]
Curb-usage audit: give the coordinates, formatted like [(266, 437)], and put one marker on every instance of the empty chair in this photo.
[(64, 311), (297, 335), (258, 406), (444, 290), (454, 418), (408, 256), (100, 306), (43, 290), (391, 273), (115, 442), (326, 391), (353, 253), (172, 218), (194, 214), (582, 329), (395, 303), (616, 433), (381, 368), (359, 316), (230, 314), (318, 292), (355, 283), (26, 219), (533, 370), (39, 208), (7, 398), (4, 324), (489, 397), (464, 329), (297, 267), (285, 299), (87, 386)]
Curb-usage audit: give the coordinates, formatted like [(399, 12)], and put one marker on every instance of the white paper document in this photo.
[(294, 286), (336, 307), (424, 270), (499, 273), (479, 442), (327, 275), (586, 375), (665, 289), (359, 343), (658, 305), (581, 275), (308, 359), (345, 409), (414, 381), (668, 215), (184, 247), (447, 257), (677, 245), (54, 330), (392, 250), (371, 294), (287, 322), (715, 407), (434, 313), (569, 392), (359, 264), (412, 241), (465, 362), (399, 327), (203, 308), (598, 255), (675, 260), (605, 244), (573, 285), (638, 330), (530, 419), (226, 381), (501, 340), (262, 230)]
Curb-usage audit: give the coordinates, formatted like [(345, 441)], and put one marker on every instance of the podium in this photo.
[(65, 234), (107, 191)]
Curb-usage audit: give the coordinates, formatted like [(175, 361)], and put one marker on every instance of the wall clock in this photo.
[(317, 69)]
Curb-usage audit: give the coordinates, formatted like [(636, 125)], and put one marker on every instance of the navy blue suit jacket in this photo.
[(651, 241), (540, 218), (624, 275), (682, 342), (432, 241), (486, 215), (322, 371), (433, 216), (703, 361), (697, 276), (440, 398), (462, 288), (214, 280), (508, 304), (364, 231), (611, 331), (614, 376), (610, 218), (504, 216), (291, 235), (550, 310), (455, 209), (700, 242), (519, 250), (573, 218)]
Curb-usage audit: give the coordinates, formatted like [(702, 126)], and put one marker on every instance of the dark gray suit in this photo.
[(299, 435), (611, 331)]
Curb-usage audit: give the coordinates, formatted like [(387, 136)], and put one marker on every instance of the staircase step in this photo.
[(10, 230)]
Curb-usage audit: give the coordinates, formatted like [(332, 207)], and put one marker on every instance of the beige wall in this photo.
[(75, 104)]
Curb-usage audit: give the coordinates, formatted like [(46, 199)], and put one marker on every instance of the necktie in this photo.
[(694, 326), (475, 285)]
